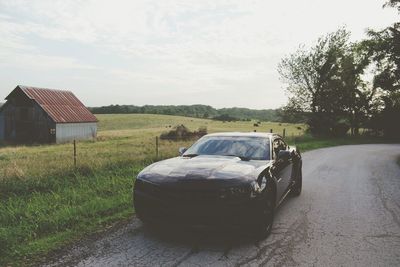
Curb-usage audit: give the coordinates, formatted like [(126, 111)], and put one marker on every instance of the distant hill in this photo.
[(197, 111)]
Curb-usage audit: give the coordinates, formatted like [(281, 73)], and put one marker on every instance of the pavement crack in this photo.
[(383, 236), (385, 203), (296, 233), (193, 251)]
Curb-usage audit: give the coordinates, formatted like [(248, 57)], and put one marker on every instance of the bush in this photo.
[(340, 129), (225, 117), (181, 132)]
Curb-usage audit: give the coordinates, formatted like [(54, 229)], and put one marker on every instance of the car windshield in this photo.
[(245, 147)]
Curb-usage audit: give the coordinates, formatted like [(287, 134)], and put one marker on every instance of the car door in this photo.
[(282, 169)]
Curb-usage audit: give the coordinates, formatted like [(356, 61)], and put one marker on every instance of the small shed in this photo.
[(40, 115)]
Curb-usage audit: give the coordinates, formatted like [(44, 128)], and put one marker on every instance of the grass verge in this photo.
[(54, 211)]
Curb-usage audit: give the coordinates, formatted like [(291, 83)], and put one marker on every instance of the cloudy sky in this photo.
[(216, 52)]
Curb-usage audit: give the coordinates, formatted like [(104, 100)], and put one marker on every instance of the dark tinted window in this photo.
[(256, 148)]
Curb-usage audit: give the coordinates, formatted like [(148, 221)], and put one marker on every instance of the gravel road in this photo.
[(347, 215)]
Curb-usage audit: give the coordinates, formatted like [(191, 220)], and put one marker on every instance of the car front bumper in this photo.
[(228, 213)]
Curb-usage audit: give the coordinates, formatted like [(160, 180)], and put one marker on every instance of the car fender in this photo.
[(269, 178)]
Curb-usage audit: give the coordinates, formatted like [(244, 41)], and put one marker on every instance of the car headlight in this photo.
[(257, 187)]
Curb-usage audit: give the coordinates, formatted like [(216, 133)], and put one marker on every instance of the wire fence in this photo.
[(91, 156)]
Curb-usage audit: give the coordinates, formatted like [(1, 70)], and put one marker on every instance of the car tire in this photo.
[(298, 183), (264, 228)]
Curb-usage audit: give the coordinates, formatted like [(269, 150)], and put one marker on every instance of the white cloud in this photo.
[(175, 48)]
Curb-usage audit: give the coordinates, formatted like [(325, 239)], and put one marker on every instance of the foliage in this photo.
[(324, 84), (181, 132), (393, 3), (196, 111), (225, 117), (383, 48), (292, 113)]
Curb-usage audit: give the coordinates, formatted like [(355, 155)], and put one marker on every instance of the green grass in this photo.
[(306, 142), (42, 213), (46, 203)]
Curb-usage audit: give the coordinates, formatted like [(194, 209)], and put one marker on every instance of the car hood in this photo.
[(203, 167)]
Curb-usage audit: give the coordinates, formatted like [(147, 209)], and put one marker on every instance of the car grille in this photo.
[(185, 194), (190, 195)]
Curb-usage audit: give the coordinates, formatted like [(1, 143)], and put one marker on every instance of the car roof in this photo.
[(245, 134)]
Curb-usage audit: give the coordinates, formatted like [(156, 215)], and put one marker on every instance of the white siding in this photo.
[(2, 126), (66, 132)]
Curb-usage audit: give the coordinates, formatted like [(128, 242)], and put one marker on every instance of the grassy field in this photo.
[(47, 203)]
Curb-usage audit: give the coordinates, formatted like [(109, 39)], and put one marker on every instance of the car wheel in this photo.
[(264, 228), (298, 183)]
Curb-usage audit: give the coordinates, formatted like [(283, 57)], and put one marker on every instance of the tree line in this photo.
[(338, 86), (197, 111)]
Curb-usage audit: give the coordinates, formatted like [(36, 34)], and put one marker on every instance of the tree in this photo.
[(355, 95), (292, 113), (393, 3), (324, 81), (384, 50)]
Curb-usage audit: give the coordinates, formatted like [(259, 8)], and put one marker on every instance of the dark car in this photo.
[(224, 179)]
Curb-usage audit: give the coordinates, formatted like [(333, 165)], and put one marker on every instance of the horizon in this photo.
[(220, 53), (183, 105)]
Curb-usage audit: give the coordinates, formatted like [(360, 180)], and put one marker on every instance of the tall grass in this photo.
[(46, 203)]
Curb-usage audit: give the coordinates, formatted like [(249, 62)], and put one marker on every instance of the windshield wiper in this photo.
[(190, 155), (241, 157)]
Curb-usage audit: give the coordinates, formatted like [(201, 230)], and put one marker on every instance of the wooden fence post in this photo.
[(284, 133), (270, 130), (74, 153), (156, 147)]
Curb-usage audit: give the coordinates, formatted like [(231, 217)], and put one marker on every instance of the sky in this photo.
[(214, 52)]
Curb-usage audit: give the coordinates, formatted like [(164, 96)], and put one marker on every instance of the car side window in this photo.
[(278, 145)]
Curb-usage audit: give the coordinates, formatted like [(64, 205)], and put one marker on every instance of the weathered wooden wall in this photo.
[(24, 121)]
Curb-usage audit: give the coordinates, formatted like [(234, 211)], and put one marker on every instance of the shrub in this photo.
[(340, 129), (181, 132), (225, 117)]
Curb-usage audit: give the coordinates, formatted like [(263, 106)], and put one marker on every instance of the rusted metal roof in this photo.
[(62, 106)]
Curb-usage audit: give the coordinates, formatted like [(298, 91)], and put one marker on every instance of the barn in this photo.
[(41, 115)]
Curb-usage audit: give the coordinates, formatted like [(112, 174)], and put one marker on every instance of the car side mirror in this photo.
[(283, 155), (182, 150)]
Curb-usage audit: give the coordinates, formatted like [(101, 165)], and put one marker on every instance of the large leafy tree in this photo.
[(384, 50), (325, 82), (356, 95)]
